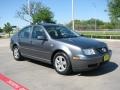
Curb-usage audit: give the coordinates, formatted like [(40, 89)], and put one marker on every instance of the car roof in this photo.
[(43, 24), (49, 24)]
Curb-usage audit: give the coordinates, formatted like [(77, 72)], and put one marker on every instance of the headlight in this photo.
[(89, 51)]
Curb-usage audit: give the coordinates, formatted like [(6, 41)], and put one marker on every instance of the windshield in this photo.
[(58, 32)]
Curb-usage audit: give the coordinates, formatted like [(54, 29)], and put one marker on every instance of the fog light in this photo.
[(76, 58)]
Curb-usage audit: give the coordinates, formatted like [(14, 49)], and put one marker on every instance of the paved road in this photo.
[(4, 42), (39, 76)]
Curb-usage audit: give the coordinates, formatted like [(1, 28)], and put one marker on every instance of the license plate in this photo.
[(106, 57)]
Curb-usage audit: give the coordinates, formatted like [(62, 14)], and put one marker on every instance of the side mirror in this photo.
[(41, 38)]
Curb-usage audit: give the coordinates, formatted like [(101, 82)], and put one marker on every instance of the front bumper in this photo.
[(89, 63)]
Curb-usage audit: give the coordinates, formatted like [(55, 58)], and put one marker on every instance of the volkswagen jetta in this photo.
[(57, 45)]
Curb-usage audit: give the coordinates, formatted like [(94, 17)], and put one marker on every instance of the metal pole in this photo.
[(28, 2), (95, 25), (73, 24), (29, 7), (94, 5)]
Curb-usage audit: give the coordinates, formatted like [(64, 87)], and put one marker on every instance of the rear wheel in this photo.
[(62, 63), (16, 54)]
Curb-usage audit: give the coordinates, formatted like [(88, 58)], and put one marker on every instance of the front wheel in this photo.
[(62, 63), (16, 54)]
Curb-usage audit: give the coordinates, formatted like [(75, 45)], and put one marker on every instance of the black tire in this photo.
[(68, 68), (19, 56)]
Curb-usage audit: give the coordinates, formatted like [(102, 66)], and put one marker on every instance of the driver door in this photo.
[(40, 47)]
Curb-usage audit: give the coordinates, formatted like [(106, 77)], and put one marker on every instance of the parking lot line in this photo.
[(12, 83)]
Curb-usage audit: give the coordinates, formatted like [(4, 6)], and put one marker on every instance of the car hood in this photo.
[(83, 42)]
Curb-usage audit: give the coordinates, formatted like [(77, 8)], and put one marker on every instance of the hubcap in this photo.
[(16, 53), (60, 63)]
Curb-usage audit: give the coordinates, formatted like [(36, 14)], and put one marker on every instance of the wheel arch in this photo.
[(68, 53), (15, 44)]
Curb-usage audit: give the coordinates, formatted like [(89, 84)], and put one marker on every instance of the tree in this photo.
[(114, 10), (90, 24), (36, 14), (7, 28), (43, 15), (1, 30)]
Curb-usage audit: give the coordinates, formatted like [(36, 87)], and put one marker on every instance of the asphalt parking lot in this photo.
[(35, 75)]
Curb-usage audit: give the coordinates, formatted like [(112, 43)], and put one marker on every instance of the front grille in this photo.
[(102, 50)]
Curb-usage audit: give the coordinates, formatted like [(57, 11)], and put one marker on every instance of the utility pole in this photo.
[(95, 25), (28, 4), (73, 23), (95, 17)]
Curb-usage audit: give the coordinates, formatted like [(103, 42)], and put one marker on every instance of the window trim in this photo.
[(33, 30), (31, 27)]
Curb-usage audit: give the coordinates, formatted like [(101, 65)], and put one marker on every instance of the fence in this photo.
[(109, 34)]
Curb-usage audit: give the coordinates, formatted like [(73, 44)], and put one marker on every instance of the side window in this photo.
[(37, 31), (25, 33), (64, 31)]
